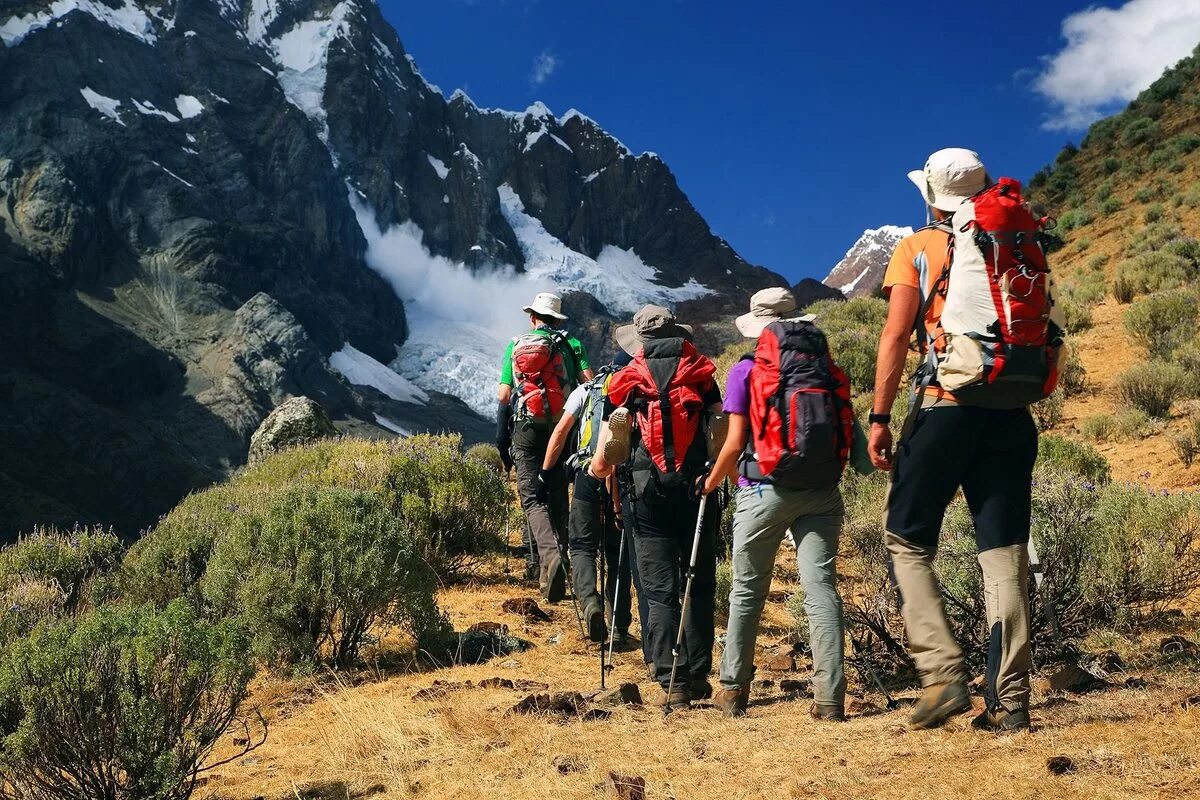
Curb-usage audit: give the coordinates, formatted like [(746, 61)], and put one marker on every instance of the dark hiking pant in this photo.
[(586, 538), (990, 454), (546, 518), (664, 526)]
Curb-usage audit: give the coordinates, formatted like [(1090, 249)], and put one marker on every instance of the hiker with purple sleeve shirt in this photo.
[(766, 509)]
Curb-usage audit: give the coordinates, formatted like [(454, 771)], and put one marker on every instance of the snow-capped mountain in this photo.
[(860, 272), (208, 205)]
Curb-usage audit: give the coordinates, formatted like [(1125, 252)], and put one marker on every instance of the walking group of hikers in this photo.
[(651, 438)]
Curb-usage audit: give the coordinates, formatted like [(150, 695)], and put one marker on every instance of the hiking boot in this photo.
[(533, 571), (616, 448), (732, 701), (701, 689), (1002, 721), (828, 712), (650, 671), (680, 698), (593, 615), (554, 580), (938, 703)]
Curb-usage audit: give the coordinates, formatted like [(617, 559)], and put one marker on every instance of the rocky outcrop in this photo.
[(295, 421)]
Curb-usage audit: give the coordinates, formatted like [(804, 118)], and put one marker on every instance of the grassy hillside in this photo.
[(1127, 201)]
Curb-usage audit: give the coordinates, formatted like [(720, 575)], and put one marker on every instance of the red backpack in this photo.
[(665, 386), (998, 339), (801, 421), (540, 377)]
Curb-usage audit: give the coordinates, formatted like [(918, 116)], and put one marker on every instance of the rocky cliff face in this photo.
[(207, 206), (860, 272)]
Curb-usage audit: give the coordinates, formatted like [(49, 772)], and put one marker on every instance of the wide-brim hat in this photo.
[(650, 322), (767, 306), (546, 305), (951, 177)]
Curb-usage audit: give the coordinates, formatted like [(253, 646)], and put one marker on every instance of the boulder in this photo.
[(626, 787), (625, 694), (295, 421)]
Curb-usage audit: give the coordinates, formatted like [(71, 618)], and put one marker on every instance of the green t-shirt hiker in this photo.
[(539, 370)]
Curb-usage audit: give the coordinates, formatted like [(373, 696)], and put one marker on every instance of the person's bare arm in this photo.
[(558, 440), (586, 375), (889, 368), (505, 394), (727, 459)]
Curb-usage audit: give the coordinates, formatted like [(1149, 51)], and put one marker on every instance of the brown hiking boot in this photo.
[(679, 699), (554, 580), (1002, 721), (732, 701), (616, 449), (701, 689), (938, 703), (828, 712), (593, 615)]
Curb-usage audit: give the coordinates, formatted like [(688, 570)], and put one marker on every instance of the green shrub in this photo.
[(1186, 248), (795, 607), (1104, 190), (1139, 130), (1132, 423), (1153, 237), (1153, 387), (1111, 165), (1098, 428), (1187, 442), (1144, 195), (1097, 262), (1124, 289), (121, 702), (1048, 413), (724, 586), (1154, 272), (1153, 213), (1083, 244), (319, 570), (1164, 321), (1072, 376), (487, 455), (69, 561), (1066, 457), (1110, 206), (1077, 314), (1184, 143), (1075, 218), (1190, 197), (853, 328)]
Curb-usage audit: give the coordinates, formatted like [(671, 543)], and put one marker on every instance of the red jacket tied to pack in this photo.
[(801, 421), (665, 387), (998, 339), (540, 376)]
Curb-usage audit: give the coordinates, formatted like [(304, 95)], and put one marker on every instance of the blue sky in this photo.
[(791, 125)]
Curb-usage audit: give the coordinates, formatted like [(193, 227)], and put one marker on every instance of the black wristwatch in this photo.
[(879, 419)]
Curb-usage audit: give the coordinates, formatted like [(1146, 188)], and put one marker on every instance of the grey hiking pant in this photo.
[(763, 516), (546, 518)]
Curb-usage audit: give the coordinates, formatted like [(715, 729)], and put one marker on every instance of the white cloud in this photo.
[(1111, 54), (543, 67)]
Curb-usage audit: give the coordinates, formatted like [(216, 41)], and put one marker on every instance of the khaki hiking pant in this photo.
[(989, 454)]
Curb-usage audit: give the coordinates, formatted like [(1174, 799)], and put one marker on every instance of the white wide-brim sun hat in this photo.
[(767, 306), (546, 306), (951, 177)]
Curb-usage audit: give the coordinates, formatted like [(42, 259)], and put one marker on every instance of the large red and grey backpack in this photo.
[(1000, 332), (665, 387), (540, 376), (801, 421)]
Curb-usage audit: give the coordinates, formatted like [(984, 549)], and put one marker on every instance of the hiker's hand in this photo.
[(712, 483), (541, 489), (879, 446), (505, 458)]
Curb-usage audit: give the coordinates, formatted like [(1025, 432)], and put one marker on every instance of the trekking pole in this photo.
[(1043, 589), (603, 531), (864, 660), (687, 596), (612, 616)]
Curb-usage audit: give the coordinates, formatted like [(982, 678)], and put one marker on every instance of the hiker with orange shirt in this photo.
[(990, 337)]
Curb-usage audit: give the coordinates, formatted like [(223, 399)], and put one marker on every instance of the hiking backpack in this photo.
[(664, 387), (587, 428), (540, 376), (1000, 332), (801, 421)]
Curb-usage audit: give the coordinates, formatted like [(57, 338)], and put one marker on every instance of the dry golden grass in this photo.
[(373, 737)]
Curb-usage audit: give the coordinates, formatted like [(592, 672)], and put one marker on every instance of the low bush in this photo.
[(1072, 376), (1186, 248), (320, 569), (853, 328), (487, 455), (1154, 272), (1111, 165), (1097, 262), (1133, 423), (1139, 130), (1049, 412), (1098, 428), (1124, 290), (1153, 213), (1153, 237), (69, 561), (1075, 218), (1144, 194), (1164, 321), (120, 702), (1110, 206), (1104, 190), (1067, 457), (1187, 442), (724, 586), (1152, 387)]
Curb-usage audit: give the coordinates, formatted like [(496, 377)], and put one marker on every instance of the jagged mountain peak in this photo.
[(860, 272)]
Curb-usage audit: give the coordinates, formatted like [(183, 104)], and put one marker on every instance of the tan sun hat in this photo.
[(951, 176), (650, 322), (546, 305), (767, 306)]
